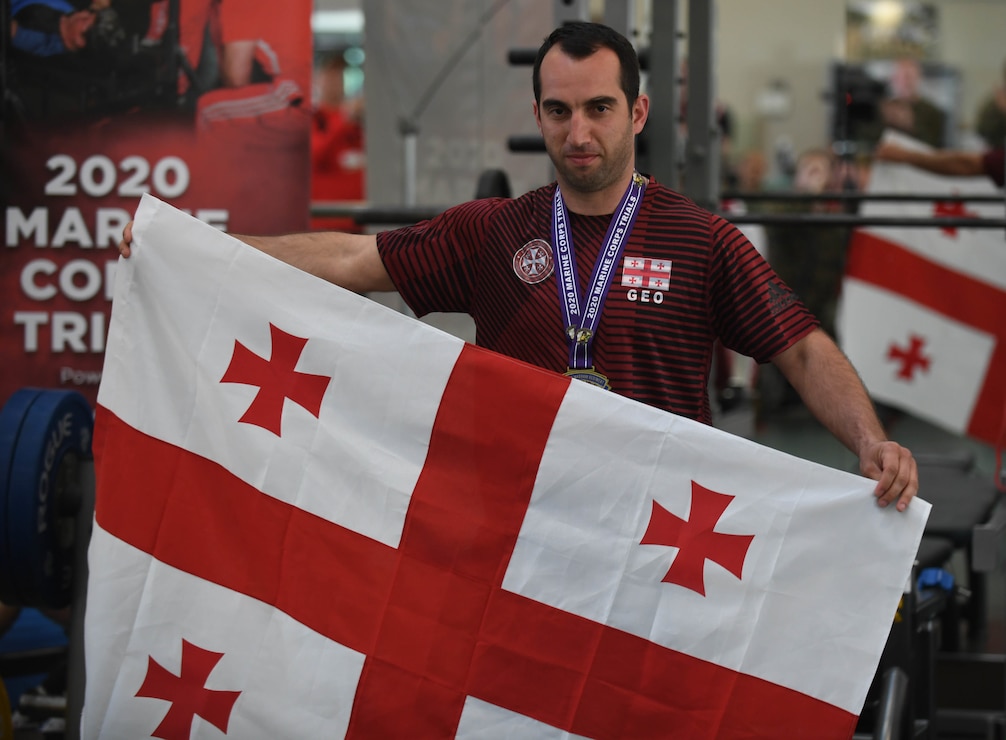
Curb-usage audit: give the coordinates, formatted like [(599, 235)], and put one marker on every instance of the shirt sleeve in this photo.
[(434, 264), (753, 311)]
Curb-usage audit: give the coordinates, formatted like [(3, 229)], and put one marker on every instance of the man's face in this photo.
[(586, 121)]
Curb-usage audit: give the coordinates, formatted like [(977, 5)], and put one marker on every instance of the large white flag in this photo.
[(922, 311), (317, 517)]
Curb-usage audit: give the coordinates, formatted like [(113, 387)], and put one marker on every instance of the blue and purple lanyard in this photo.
[(580, 319)]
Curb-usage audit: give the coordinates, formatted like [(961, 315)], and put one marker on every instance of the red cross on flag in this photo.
[(639, 272), (317, 517), (922, 310)]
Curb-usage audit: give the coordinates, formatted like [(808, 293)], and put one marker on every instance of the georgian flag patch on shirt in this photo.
[(639, 272)]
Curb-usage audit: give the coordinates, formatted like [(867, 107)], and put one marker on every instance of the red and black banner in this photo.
[(202, 103)]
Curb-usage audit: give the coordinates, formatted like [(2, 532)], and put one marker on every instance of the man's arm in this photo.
[(940, 161), (832, 390), (347, 260)]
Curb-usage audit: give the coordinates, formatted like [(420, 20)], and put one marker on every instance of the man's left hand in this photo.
[(895, 471)]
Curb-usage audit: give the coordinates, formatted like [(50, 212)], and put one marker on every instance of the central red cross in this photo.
[(277, 379), (695, 539), (911, 357), (431, 615), (187, 693), (953, 209)]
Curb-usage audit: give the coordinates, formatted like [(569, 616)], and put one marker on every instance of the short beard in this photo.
[(611, 169)]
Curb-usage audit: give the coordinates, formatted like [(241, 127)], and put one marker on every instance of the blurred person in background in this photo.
[(809, 258), (51, 27), (951, 162), (991, 119), (338, 159), (907, 110)]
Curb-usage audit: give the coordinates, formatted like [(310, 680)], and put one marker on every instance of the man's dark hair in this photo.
[(579, 40)]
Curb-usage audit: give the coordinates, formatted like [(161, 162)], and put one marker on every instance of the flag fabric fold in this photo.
[(317, 517), (939, 348)]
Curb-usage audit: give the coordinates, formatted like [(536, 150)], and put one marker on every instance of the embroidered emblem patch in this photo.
[(533, 262)]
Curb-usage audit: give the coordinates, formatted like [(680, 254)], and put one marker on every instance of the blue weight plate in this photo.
[(43, 496), (12, 417)]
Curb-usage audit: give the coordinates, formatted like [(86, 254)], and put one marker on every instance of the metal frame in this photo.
[(76, 671), (668, 157), (388, 216), (619, 15), (702, 152), (571, 10), (663, 150)]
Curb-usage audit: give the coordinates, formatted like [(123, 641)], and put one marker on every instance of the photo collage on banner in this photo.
[(205, 104)]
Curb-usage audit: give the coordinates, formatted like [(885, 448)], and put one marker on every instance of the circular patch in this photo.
[(533, 262)]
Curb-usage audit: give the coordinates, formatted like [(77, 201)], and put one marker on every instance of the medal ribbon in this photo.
[(580, 319)]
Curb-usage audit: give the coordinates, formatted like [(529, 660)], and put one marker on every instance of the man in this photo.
[(990, 121), (815, 274), (337, 145), (663, 283), (954, 163), (907, 110)]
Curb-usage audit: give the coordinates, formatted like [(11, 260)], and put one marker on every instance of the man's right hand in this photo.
[(127, 239)]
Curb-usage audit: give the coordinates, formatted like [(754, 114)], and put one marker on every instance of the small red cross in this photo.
[(953, 209), (187, 693), (911, 358), (695, 539), (277, 380)]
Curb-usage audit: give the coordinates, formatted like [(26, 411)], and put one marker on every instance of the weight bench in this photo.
[(901, 701), (967, 516), (969, 513)]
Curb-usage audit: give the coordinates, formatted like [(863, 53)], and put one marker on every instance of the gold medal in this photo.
[(589, 375)]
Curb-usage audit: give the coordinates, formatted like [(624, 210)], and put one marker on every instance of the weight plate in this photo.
[(43, 496), (12, 417)]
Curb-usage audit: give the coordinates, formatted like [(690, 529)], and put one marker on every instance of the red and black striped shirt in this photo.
[(654, 345)]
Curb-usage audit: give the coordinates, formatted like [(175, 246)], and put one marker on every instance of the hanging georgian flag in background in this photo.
[(922, 308), (317, 517)]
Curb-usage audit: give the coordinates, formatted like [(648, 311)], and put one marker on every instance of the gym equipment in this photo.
[(390, 215), (968, 512), (46, 511), (783, 196), (493, 183), (44, 437)]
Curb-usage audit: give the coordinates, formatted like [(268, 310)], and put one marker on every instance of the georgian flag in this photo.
[(922, 309), (639, 272), (317, 517)]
